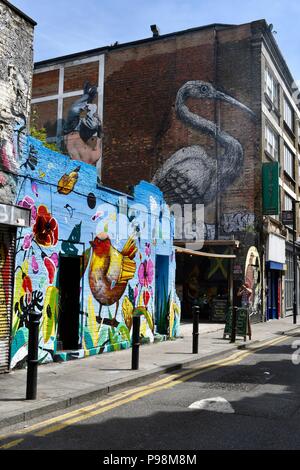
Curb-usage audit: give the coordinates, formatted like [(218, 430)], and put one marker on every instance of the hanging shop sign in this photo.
[(14, 215), (270, 183), (287, 217)]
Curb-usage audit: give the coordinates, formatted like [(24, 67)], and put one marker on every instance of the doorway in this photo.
[(161, 293), (274, 295), (69, 306)]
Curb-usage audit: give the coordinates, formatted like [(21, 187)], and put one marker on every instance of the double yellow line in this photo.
[(67, 419)]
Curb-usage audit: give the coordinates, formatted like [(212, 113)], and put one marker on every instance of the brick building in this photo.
[(200, 112)]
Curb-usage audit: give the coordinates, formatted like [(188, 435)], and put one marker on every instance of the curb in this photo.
[(98, 392)]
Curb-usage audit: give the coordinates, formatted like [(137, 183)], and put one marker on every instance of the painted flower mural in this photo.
[(45, 228), (146, 273)]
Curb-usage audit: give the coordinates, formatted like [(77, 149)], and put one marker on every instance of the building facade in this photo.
[(204, 114), (90, 260), (85, 257), (15, 91)]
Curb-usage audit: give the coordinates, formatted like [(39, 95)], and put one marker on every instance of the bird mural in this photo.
[(67, 182), (83, 129), (110, 270), (190, 175)]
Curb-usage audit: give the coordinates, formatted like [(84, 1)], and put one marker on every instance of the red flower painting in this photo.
[(45, 228)]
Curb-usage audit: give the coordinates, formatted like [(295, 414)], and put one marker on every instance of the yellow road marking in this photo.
[(12, 444), (57, 423), (115, 398)]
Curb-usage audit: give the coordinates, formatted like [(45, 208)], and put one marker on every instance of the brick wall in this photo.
[(142, 131)]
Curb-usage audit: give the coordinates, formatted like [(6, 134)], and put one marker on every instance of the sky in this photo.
[(67, 26)]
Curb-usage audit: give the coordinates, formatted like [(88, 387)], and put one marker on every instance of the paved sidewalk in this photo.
[(61, 385)]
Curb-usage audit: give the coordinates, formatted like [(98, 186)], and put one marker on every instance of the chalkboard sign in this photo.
[(219, 309), (242, 323)]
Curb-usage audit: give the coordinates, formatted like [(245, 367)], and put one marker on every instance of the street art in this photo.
[(238, 222), (82, 129), (117, 266), (14, 106), (110, 270), (4, 289), (253, 278), (190, 175)]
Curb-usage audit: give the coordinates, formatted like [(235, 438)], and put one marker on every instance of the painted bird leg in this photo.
[(114, 320)]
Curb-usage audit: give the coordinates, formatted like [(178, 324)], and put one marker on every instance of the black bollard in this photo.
[(196, 312), (135, 342), (233, 325), (32, 360)]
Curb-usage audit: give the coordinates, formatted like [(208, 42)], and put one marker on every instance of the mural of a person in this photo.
[(83, 129), (253, 278)]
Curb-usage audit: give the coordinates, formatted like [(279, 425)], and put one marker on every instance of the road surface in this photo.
[(248, 400)]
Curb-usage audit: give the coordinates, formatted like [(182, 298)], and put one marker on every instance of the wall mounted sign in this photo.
[(14, 215), (270, 186)]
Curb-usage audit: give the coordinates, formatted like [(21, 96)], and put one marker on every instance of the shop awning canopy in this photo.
[(186, 251)]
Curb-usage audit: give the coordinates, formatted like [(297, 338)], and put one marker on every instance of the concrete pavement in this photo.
[(61, 385)]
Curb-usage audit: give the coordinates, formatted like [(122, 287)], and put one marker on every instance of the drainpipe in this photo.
[(217, 122)]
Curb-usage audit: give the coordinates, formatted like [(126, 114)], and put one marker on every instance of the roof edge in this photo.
[(19, 12), (130, 44)]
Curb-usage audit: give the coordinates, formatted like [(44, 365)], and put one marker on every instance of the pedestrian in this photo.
[(245, 293)]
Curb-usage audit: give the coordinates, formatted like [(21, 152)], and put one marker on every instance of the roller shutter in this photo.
[(7, 255)]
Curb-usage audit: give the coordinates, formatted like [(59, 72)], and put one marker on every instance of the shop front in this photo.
[(10, 218), (275, 265), (205, 278)]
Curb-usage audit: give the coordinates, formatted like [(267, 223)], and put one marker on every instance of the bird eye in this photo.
[(204, 89)]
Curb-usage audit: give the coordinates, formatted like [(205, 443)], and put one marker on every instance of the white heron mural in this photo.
[(190, 175)]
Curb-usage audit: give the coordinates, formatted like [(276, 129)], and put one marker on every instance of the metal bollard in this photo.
[(135, 342), (32, 359), (196, 312), (233, 325)]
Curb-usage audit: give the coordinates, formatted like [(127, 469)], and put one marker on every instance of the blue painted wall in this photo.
[(68, 212)]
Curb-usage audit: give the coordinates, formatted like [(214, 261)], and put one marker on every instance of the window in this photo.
[(289, 162), (271, 87), (289, 282), (288, 114), (288, 202), (271, 141)]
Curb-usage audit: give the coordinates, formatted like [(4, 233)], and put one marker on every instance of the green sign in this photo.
[(242, 323), (270, 185)]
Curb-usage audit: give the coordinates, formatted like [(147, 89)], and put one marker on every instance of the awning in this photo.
[(202, 253)]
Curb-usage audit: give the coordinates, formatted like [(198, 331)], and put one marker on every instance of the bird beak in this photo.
[(234, 102)]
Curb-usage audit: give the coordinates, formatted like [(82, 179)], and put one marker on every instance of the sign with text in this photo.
[(270, 186), (14, 215), (287, 217)]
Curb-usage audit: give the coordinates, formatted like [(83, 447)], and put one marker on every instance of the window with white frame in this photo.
[(271, 141), (271, 86), (288, 202), (288, 114), (289, 162)]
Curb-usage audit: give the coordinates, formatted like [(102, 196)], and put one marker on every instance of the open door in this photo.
[(69, 287), (161, 293)]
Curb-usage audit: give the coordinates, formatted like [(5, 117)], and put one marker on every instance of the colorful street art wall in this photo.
[(88, 263)]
